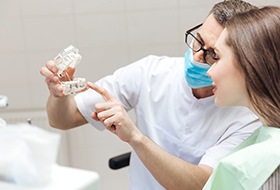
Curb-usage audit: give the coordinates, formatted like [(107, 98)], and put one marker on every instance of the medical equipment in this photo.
[(70, 57), (3, 101)]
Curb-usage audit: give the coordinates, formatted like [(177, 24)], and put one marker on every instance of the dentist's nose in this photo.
[(198, 56)]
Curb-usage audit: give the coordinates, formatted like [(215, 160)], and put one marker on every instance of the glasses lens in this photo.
[(193, 43), (210, 57)]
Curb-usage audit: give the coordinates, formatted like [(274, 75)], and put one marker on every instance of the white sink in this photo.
[(62, 178)]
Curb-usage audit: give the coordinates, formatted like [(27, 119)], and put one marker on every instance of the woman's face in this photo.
[(228, 81)]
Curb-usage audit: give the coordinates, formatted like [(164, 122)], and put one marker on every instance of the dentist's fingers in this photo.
[(52, 80), (94, 115), (52, 66), (103, 92), (107, 111), (49, 72)]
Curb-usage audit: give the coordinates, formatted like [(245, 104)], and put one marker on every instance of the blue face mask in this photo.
[(196, 72)]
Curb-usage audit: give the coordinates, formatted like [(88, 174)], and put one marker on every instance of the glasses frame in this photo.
[(205, 51)]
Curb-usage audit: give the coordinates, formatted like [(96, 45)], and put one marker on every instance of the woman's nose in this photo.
[(209, 72)]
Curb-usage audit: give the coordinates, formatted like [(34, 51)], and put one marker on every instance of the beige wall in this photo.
[(109, 34)]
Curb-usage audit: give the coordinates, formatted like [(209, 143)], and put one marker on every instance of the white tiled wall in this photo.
[(109, 34)]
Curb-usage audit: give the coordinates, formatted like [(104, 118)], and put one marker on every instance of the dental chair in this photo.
[(272, 183), (120, 161)]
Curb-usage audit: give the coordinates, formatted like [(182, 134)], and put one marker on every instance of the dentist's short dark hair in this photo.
[(225, 10)]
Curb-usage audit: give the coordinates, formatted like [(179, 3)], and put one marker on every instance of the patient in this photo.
[(247, 73)]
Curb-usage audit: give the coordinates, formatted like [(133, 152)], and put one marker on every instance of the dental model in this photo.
[(70, 57), (75, 86)]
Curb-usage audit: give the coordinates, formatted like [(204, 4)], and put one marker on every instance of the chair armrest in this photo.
[(120, 161)]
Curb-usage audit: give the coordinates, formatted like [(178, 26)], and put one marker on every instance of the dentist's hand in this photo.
[(52, 80), (113, 115)]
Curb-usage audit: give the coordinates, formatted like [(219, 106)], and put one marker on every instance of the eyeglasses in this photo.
[(196, 45)]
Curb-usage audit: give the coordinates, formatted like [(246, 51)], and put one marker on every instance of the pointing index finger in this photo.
[(103, 92)]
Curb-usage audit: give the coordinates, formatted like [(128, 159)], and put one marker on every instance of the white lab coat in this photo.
[(192, 129)]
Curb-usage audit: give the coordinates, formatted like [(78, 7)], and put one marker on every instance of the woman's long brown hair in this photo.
[(254, 37)]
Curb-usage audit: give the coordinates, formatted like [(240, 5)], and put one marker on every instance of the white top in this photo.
[(167, 112)]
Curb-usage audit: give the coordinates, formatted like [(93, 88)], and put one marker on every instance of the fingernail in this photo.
[(55, 79)]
